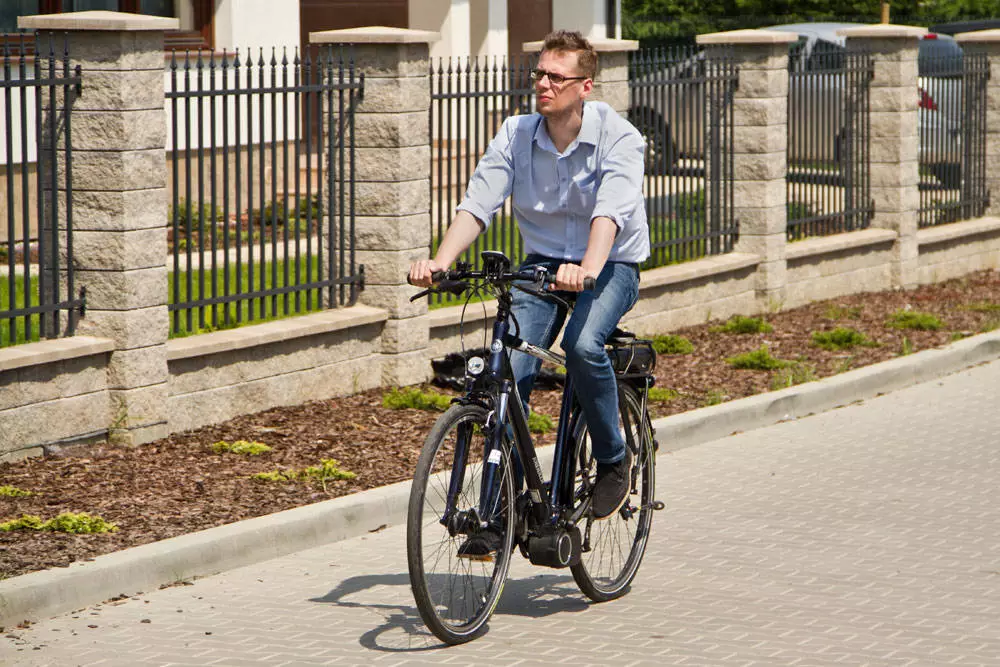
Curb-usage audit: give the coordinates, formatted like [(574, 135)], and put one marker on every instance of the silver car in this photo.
[(669, 102)]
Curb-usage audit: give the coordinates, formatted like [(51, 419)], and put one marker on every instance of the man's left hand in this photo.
[(570, 277)]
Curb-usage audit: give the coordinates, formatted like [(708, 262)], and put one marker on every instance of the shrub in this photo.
[(841, 338), (402, 399), (982, 307), (240, 447), (758, 360), (738, 324), (662, 395), (671, 344), (67, 522), (539, 423), (912, 319), (13, 492), (838, 312), (327, 470)]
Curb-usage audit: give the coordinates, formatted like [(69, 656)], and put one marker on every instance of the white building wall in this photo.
[(587, 16), (451, 18), (257, 23), (488, 30)]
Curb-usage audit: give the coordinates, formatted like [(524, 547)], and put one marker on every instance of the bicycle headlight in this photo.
[(475, 365)]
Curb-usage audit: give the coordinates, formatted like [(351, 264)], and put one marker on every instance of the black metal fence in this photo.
[(470, 98), (261, 222), (829, 127), (952, 126), (681, 101), (36, 248)]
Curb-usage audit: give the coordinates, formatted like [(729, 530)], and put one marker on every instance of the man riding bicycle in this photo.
[(574, 170)]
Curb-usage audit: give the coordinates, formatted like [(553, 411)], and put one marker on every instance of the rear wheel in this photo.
[(456, 596), (613, 548)]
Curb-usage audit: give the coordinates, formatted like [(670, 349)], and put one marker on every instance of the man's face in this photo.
[(554, 99)]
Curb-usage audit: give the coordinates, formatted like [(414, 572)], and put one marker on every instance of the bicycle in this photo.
[(464, 480)]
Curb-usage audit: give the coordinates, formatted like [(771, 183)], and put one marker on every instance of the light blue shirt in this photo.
[(556, 195)]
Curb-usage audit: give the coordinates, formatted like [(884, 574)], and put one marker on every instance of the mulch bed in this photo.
[(180, 485)]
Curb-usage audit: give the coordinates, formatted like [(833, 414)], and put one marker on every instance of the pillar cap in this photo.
[(747, 37), (600, 45), (883, 31), (982, 36), (374, 35), (98, 20)]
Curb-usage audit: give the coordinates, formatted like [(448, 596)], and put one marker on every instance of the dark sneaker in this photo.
[(612, 486), (481, 546)]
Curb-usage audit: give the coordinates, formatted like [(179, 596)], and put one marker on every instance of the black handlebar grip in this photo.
[(589, 284), (436, 276)]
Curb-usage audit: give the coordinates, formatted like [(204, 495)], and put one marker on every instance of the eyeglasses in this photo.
[(554, 79)]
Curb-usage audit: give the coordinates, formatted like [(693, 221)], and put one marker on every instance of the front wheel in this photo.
[(456, 596), (613, 548)]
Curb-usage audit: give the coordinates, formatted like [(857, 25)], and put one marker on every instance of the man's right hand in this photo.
[(421, 272)]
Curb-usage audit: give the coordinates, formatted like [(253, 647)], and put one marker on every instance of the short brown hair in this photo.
[(562, 41)]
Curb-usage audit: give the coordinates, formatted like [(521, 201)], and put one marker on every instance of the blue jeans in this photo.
[(594, 317)]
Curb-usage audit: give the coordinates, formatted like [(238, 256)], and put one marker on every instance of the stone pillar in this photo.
[(611, 82), (894, 140), (760, 155), (119, 204), (988, 42), (392, 204)]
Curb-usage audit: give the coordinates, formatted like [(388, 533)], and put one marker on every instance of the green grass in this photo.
[(263, 309), (796, 373), (671, 344), (757, 360), (18, 336), (912, 319), (841, 338), (738, 324), (8, 491)]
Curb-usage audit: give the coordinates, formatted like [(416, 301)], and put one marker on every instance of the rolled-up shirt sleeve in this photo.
[(620, 191), (493, 179)]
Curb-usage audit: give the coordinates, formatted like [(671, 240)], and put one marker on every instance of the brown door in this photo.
[(527, 21)]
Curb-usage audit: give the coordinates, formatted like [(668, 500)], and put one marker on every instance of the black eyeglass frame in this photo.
[(554, 78)]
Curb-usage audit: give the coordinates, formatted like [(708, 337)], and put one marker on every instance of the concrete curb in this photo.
[(51, 592)]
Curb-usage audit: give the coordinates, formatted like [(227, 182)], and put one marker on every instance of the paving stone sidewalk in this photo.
[(868, 535)]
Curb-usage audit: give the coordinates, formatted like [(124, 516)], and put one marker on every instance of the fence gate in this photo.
[(38, 88), (261, 221)]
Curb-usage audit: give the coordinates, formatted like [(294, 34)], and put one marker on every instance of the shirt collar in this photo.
[(590, 130)]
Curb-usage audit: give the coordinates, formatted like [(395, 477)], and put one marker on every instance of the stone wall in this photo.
[(53, 392), (953, 250)]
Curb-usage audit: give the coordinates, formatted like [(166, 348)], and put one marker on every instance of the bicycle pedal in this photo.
[(658, 505)]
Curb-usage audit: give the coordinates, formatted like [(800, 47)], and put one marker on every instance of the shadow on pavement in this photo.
[(402, 630)]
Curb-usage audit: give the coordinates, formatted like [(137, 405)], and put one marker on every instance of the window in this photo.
[(196, 29)]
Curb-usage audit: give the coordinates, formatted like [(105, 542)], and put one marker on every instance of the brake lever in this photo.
[(543, 294)]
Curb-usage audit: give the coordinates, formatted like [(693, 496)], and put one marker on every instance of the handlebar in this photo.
[(449, 280)]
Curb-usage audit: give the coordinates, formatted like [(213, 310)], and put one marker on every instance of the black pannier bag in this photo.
[(635, 358)]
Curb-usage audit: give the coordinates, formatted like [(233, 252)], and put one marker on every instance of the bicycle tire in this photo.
[(603, 573), (455, 596)]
